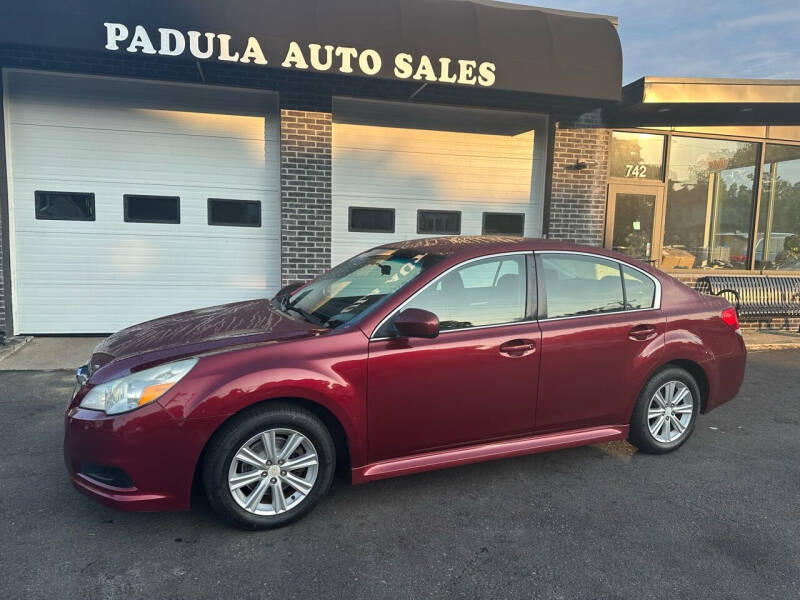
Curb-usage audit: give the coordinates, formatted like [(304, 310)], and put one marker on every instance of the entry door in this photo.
[(633, 220), (476, 381)]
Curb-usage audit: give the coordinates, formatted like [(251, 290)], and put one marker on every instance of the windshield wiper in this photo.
[(285, 305), (308, 316)]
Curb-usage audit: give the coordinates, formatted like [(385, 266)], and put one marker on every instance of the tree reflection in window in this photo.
[(778, 240), (709, 205)]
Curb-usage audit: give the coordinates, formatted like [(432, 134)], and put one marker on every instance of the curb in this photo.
[(14, 347), (778, 346)]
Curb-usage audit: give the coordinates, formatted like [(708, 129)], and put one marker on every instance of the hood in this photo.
[(200, 330)]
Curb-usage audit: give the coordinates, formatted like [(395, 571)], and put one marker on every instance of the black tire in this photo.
[(230, 438), (640, 434)]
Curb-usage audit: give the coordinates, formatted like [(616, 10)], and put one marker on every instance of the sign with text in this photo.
[(313, 56), (466, 44)]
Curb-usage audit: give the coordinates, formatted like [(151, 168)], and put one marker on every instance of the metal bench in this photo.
[(755, 296)]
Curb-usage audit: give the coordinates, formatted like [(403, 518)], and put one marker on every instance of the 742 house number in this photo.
[(635, 170)]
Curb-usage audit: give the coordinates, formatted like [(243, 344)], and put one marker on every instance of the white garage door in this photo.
[(403, 171), (93, 162)]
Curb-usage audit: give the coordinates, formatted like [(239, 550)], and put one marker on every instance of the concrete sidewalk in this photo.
[(49, 353), (771, 339)]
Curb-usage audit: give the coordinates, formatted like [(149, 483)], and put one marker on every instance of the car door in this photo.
[(476, 381), (602, 332)]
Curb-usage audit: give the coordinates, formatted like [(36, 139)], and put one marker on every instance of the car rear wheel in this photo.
[(269, 466), (666, 412)]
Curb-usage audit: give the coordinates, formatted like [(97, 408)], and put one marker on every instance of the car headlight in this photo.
[(137, 389)]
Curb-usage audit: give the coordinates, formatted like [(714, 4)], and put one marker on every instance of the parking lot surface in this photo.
[(720, 518)]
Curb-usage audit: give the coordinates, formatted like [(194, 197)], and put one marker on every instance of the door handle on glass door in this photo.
[(642, 333), (517, 347)]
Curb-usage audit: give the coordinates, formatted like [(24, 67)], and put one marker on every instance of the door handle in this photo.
[(516, 348), (642, 333)]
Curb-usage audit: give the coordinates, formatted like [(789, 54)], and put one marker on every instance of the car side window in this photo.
[(580, 285), (490, 291), (640, 290)]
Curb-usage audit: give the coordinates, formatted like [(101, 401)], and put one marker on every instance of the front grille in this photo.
[(113, 476)]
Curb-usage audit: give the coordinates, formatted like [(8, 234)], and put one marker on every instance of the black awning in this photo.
[(679, 101), (465, 43)]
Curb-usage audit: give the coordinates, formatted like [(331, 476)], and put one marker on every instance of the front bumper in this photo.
[(157, 453)]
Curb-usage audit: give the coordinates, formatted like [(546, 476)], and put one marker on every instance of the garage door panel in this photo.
[(145, 121), (406, 223), (111, 138), (421, 186), (429, 142), (143, 260), (156, 231), (57, 153), (43, 99), (75, 308), (423, 176), (109, 210)]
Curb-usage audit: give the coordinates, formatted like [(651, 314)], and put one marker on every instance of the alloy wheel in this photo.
[(273, 471), (670, 411)]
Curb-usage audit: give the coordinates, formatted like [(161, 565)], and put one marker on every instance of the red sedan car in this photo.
[(409, 357)]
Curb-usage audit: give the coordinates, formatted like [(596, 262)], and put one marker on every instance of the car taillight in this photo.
[(731, 318)]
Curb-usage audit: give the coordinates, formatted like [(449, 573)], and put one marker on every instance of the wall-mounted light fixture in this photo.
[(579, 165)]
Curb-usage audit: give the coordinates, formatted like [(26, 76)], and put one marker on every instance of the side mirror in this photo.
[(415, 322)]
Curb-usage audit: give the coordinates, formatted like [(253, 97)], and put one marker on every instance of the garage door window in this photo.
[(234, 213), (64, 206), (445, 222), (503, 223), (371, 220), (152, 209)]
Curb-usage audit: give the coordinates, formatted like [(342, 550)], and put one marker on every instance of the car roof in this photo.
[(477, 245)]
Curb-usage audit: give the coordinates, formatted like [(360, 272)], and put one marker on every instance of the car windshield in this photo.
[(357, 285)]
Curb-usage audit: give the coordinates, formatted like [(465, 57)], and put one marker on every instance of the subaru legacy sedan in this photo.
[(412, 356)]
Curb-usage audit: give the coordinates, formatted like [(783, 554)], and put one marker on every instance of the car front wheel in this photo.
[(268, 466), (666, 412)]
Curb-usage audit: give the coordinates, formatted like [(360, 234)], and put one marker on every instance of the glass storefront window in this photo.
[(709, 204), (778, 241), (637, 155)]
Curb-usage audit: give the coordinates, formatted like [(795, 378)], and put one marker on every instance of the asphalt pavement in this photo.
[(720, 518)]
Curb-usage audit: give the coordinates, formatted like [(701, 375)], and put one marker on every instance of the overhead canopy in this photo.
[(469, 43), (660, 101)]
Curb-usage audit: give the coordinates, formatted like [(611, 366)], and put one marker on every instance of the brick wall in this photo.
[(305, 194), (578, 195)]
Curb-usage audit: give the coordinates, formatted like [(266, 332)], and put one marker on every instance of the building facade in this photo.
[(695, 198), (152, 165)]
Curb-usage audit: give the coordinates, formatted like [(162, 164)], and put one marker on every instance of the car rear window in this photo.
[(640, 290)]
